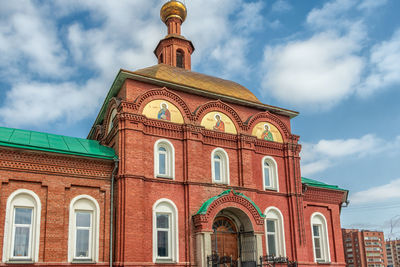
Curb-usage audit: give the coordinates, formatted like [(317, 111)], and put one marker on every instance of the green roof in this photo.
[(203, 209), (314, 183), (54, 143)]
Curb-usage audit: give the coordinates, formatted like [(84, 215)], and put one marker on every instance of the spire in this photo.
[(174, 49)]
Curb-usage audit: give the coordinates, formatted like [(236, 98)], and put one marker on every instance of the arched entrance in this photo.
[(224, 240), (229, 228), (233, 242)]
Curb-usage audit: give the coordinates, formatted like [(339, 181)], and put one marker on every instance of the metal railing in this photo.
[(271, 260)]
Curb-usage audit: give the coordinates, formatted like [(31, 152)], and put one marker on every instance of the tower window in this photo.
[(161, 59), (179, 59), (220, 166), (164, 159)]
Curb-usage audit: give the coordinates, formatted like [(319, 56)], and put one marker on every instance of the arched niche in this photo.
[(161, 109), (218, 121), (267, 131)]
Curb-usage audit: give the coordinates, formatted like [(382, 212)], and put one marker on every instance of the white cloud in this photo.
[(38, 104), (29, 43), (385, 68), (55, 62), (331, 15), (326, 153), (390, 191), (317, 72), (281, 6), (371, 4)]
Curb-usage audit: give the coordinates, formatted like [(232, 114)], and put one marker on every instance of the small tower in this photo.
[(174, 49)]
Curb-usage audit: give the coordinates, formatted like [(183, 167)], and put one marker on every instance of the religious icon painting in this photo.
[(267, 131), (163, 110), (267, 134), (164, 113), (219, 124)]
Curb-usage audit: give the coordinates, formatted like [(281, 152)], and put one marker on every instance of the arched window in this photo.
[(161, 59), (220, 166), (165, 231), (111, 121), (270, 173), (180, 59), (274, 232), (84, 224), (319, 232), (164, 159), (22, 227)]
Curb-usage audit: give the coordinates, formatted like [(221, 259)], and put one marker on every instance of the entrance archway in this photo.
[(229, 229), (224, 239), (233, 241)]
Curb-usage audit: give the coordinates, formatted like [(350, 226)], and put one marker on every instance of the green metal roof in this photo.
[(311, 182), (203, 209), (54, 143)]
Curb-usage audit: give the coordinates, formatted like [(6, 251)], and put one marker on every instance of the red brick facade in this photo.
[(57, 179)]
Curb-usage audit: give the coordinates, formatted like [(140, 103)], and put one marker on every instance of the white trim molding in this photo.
[(84, 203), (22, 198), (219, 155), (272, 172), (319, 221), (169, 152), (111, 120), (274, 214), (165, 206)]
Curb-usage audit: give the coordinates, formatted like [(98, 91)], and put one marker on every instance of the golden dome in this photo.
[(199, 81), (173, 9)]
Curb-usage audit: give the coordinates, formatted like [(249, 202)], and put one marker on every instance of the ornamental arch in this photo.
[(167, 96), (229, 225)]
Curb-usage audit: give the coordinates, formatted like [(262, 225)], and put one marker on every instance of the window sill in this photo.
[(324, 262), (271, 189), (164, 177), (83, 261), (165, 261), (20, 261)]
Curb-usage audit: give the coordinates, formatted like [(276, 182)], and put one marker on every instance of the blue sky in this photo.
[(336, 62)]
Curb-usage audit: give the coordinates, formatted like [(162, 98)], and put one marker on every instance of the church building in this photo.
[(179, 169)]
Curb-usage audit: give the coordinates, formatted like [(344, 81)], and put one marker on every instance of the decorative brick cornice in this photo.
[(47, 163), (166, 94), (313, 194)]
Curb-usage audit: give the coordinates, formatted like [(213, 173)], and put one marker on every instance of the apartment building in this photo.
[(393, 253), (364, 248)]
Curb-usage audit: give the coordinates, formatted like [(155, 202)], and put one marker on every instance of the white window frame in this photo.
[(84, 203), (169, 159), (166, 206), (22, 198), (273, 173), (319, 219), (224, 166), (273, 213), (111, 119)]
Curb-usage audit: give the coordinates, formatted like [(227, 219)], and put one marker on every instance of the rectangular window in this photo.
[(162, 163), (217, 170), (163, 235), (22, 232), (83, 234), (317, 241), (267, 179), (271, 237)]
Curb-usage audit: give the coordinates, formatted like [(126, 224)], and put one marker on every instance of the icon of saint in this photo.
[(219, 125), (267, 135), (164, 113)]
